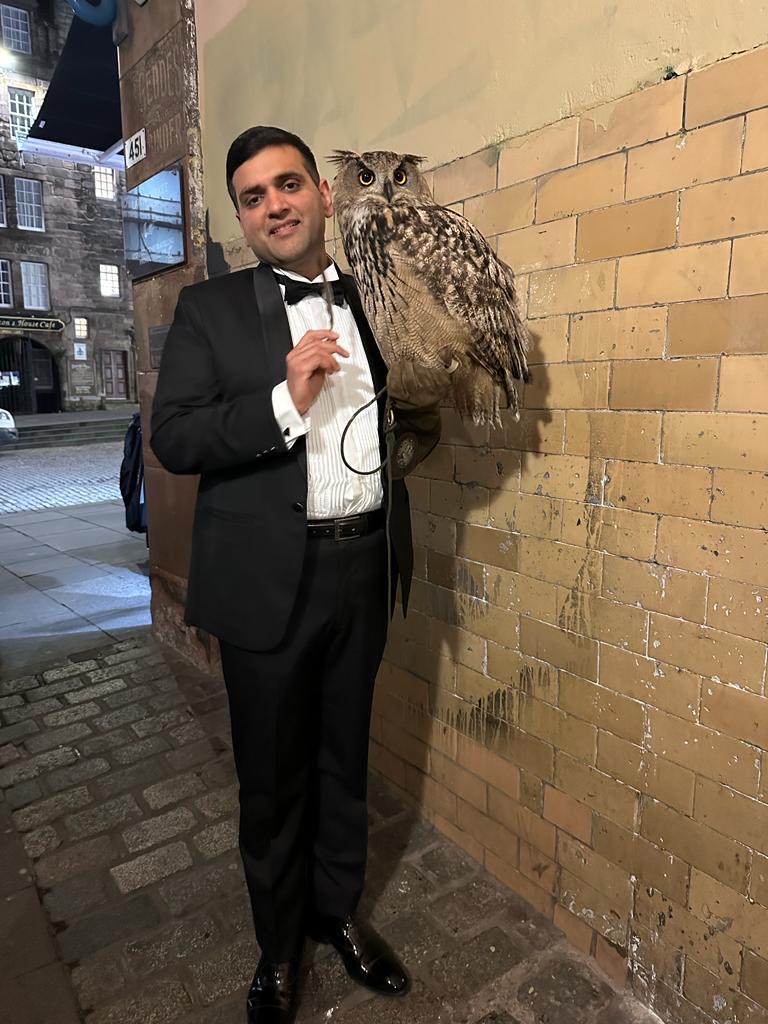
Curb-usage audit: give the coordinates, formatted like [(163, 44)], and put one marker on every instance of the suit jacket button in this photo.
[(297, 506)]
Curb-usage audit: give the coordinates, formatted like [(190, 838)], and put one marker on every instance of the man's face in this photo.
[(281, 210)]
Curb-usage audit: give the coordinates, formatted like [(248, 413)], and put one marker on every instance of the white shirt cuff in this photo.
[(290, 421)]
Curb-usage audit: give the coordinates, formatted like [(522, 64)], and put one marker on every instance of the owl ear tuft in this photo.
[(342, 156), (411, 158)]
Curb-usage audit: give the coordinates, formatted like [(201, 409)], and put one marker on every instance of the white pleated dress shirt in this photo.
[(332, 489)]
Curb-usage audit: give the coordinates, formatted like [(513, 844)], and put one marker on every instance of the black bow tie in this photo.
[(295, 291)]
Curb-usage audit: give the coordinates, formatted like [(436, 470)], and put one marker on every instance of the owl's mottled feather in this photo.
[(431, 285)]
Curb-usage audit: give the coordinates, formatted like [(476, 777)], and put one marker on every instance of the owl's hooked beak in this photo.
[(388, 191)]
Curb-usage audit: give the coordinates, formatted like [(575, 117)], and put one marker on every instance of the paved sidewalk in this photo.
[(118, 862), (69, 579), (47, 478)]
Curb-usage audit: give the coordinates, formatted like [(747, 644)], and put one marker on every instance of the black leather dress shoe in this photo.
[(272, 996), (367, 957)]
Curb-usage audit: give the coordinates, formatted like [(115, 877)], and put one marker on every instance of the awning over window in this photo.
[(80, 116)]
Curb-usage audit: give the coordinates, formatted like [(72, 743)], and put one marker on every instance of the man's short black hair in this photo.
[(253, 140)]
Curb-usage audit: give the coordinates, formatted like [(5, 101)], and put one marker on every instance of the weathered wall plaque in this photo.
[(157, 336), (82, 378)]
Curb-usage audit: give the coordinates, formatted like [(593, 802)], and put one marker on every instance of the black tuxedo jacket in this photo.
[(212, 415)]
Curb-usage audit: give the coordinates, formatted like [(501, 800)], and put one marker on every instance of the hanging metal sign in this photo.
[(30, 323)]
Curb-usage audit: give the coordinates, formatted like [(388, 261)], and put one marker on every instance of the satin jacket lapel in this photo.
[(275, 334), (273, 322)]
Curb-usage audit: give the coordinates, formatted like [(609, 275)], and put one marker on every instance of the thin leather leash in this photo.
[(388, 440)]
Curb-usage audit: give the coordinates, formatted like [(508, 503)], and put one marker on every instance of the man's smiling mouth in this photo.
[(285, 228)]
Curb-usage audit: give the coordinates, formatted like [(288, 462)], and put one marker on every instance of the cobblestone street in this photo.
[(52, 477), (122, 893)]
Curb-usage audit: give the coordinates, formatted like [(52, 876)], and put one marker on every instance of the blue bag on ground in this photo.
[(132, 478)]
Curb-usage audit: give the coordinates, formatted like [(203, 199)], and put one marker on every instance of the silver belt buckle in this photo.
[(339, 525)]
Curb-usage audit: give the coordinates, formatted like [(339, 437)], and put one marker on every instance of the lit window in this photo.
[(34, 283), (21, 103), (81, 327), (15, 25), (109, 280), (6, 290), (3, 215), (104, 181), (29, 204)]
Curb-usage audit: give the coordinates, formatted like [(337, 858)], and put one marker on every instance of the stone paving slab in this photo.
[(122, 888), (69, 579)]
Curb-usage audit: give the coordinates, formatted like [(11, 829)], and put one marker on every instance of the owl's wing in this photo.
[(449, 256)]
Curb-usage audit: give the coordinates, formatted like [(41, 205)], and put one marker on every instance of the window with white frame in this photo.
[(81, 327), (29, 204), (15, 25), (3, 214), (109, 280), (6, 288), (21, 104), (104, 182), (34, 283)]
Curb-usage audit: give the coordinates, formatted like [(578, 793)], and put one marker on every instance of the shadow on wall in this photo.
[(216, 261), (464, 615)]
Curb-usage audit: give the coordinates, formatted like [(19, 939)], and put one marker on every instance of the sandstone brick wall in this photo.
[(578, 694)]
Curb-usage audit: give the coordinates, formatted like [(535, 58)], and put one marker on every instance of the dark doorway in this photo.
[(29, 377), (114, 368)]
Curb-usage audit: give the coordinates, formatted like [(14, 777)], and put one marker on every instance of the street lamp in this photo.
[(7, 59)]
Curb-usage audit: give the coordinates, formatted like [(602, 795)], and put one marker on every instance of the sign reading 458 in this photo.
[(136, 148)]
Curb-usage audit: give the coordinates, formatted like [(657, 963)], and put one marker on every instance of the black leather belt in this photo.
[(347, 527)]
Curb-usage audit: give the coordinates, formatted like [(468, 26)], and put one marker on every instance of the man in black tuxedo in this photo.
[(289, 555)]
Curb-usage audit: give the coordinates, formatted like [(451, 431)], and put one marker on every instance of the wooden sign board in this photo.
[(153, 100)]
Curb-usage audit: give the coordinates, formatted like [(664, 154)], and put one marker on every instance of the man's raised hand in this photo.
[(307, 365)]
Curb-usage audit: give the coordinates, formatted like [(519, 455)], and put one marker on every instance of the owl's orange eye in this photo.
[(400, 176), (366, 177)]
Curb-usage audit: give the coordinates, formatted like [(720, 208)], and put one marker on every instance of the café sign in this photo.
[(30, 323)]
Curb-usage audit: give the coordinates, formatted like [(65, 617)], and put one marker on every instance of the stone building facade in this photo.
[(66, 320)]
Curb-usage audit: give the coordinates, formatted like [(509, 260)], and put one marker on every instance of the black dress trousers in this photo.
[(300, 723)]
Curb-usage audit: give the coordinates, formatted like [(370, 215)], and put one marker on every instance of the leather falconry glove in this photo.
[(412, 422)]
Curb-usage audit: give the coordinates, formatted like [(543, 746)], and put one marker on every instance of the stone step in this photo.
[(67, 438), (74, 427)]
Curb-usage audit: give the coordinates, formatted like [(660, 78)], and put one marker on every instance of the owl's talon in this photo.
[(448, 359)]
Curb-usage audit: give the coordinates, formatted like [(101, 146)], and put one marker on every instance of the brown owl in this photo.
[(435, 293)]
